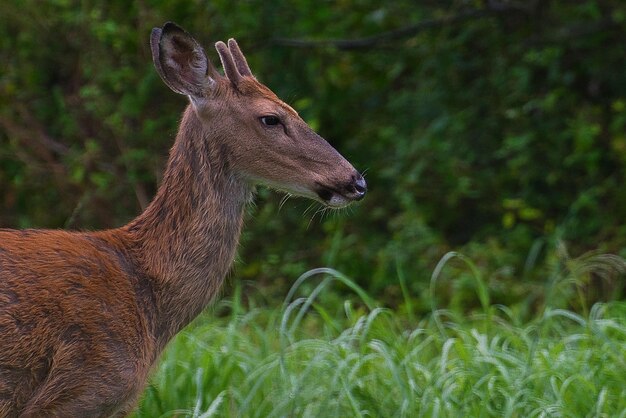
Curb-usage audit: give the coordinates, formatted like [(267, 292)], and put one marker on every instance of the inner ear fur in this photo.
[(180, 60)]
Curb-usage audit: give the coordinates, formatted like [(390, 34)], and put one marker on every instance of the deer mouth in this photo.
[(332, 198), (341, 196)]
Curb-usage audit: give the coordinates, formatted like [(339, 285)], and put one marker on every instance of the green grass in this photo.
[(314, 357)]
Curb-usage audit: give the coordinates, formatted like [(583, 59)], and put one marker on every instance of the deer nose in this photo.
[(358, 187)]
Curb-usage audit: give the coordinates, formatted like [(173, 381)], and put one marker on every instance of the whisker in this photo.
[(307, 209), (319, 210), (283, 201), (310, 221), (326, 212)]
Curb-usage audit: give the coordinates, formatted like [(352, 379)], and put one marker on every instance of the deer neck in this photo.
[(188, 235)]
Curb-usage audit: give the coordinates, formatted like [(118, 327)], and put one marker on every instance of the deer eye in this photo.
[(270, 120)]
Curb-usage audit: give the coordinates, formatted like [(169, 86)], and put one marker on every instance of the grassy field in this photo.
[(315, 357)]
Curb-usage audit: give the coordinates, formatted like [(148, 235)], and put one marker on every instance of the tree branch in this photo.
[(493, 9)]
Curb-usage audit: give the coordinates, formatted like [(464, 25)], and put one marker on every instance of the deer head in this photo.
[(264, 139)]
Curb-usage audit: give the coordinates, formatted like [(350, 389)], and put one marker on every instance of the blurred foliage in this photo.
[(497, 128)]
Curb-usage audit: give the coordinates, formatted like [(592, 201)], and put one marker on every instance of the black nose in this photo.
[(359, 187)]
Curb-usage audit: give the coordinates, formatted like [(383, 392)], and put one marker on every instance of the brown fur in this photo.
[(84, 316)]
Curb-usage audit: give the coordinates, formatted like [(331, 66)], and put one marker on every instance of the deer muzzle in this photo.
[(343, 194)]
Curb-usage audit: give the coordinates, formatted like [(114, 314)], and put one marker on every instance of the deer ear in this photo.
[(180, 61)]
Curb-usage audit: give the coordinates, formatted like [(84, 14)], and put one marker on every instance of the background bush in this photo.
[(495, 128)]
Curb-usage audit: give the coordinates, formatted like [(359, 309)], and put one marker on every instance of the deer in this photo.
[(84, 316)]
